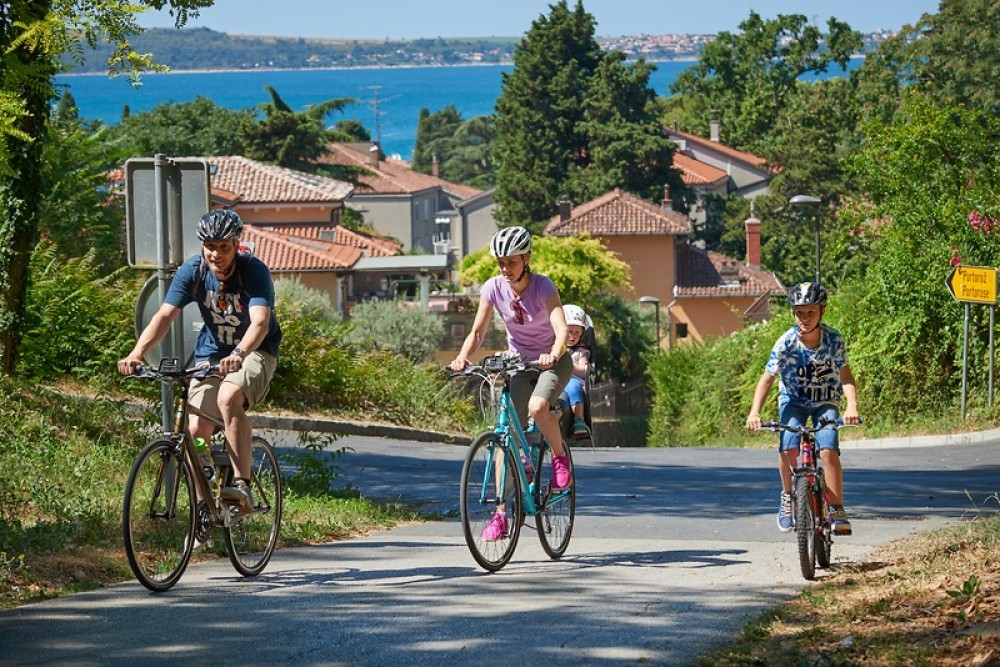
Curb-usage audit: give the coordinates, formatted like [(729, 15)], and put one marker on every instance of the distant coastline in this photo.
[(345, 68), (204, 50)]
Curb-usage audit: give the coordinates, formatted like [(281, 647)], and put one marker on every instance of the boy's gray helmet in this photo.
[(220, 225), (807, 294), (511, 241)]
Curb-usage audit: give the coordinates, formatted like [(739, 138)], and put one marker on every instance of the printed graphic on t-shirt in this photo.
[(224, 309), (808, 376)]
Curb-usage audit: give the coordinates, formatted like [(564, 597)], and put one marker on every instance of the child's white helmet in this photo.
[(576, 315)]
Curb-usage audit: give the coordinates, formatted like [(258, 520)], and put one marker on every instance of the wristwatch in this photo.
[(239, 353)]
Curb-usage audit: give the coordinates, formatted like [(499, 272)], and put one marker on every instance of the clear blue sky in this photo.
[(409, 19)]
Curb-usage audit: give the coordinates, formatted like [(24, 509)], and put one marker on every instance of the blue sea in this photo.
[(388, 100)]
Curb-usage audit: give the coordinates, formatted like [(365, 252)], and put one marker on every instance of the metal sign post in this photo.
[(974, 284), (160, 195)]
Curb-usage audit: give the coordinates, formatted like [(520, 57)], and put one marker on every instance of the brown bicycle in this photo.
[(173, 502)]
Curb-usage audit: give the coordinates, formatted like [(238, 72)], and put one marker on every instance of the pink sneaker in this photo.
[(560, 472), (496, 529)]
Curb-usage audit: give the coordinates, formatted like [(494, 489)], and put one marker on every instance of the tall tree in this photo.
[(539, 111), (572, 119), (462, 148), (198, 127), (949, 55), (622, 143), (432, 130), (32, 36), (289, 138), (933, 183), (749, 76)]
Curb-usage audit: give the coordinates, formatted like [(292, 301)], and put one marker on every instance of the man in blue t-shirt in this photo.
[(235, 295)]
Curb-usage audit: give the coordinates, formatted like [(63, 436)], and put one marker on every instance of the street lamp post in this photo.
[(656, 302), (811, 202)]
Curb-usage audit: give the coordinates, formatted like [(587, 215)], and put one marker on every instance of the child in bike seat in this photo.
[(577, 322), (811, 361)]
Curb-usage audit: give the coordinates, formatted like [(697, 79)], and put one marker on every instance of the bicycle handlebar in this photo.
[(495, 365), (802, 429), (142, 372)]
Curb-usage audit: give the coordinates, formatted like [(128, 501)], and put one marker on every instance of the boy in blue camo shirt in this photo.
[(811, 361)]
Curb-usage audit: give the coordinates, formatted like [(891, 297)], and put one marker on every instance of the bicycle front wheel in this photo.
[(490, 502), (252, 536), (158, 519), (557, 507), (824, 531), (805, 526)]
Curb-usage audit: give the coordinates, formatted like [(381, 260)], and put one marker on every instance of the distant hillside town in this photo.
[(205, 49)]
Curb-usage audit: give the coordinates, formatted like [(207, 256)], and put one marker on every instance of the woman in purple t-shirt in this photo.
[(536, 331)]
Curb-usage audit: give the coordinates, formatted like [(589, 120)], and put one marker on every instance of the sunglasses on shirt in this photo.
[(519, 311), (221, 301)]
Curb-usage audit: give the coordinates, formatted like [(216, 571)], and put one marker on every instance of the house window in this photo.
[(682, 330)]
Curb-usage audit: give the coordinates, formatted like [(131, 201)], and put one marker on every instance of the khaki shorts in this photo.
[(548, 384), (254, 378)]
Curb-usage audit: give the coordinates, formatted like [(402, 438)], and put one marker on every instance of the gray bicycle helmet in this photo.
[(510, 241), (807, 294), (220, 225)]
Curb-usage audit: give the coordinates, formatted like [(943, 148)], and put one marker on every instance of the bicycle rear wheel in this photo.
[(557, 507), (489, 480), (251, 537), (158, 518), (805, 526)]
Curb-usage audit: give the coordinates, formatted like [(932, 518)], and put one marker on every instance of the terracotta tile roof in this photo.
[(619, 213), (707, 273), (747, 158), (283, 253), (371, 246), (695, 172), (392, 176), (258, 183)]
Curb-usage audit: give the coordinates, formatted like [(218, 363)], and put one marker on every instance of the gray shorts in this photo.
[(253, 377), (548, 384)]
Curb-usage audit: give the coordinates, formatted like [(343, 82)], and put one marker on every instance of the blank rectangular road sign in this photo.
[(188, 189)]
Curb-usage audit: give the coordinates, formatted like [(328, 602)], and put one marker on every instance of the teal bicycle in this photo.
[(509, 471)]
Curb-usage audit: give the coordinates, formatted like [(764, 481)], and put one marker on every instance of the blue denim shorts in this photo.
[(797, 415)]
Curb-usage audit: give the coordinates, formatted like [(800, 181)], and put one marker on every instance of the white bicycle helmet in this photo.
[(511, 241), (576, 315)]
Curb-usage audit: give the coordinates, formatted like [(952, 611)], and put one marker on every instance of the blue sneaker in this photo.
[(785, 513)]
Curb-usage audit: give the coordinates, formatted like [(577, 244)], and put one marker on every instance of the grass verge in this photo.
[(933, 599)]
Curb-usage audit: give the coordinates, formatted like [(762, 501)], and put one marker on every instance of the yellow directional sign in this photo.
[(976, 284)]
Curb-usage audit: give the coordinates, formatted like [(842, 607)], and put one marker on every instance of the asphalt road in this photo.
[(672, 552)]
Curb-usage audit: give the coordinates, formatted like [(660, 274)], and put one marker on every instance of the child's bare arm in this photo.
[(850, 386), (759, 396)]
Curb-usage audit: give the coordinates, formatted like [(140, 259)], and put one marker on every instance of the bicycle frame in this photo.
[(509, 425), (181, 436)]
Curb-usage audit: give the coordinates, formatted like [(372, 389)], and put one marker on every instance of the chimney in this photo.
[(666, 204), (713, 133), (565, 208), (435, 171), (752, 225)]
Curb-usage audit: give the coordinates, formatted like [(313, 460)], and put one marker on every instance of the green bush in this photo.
[(702, 393), (413, 333), (78, 323)]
